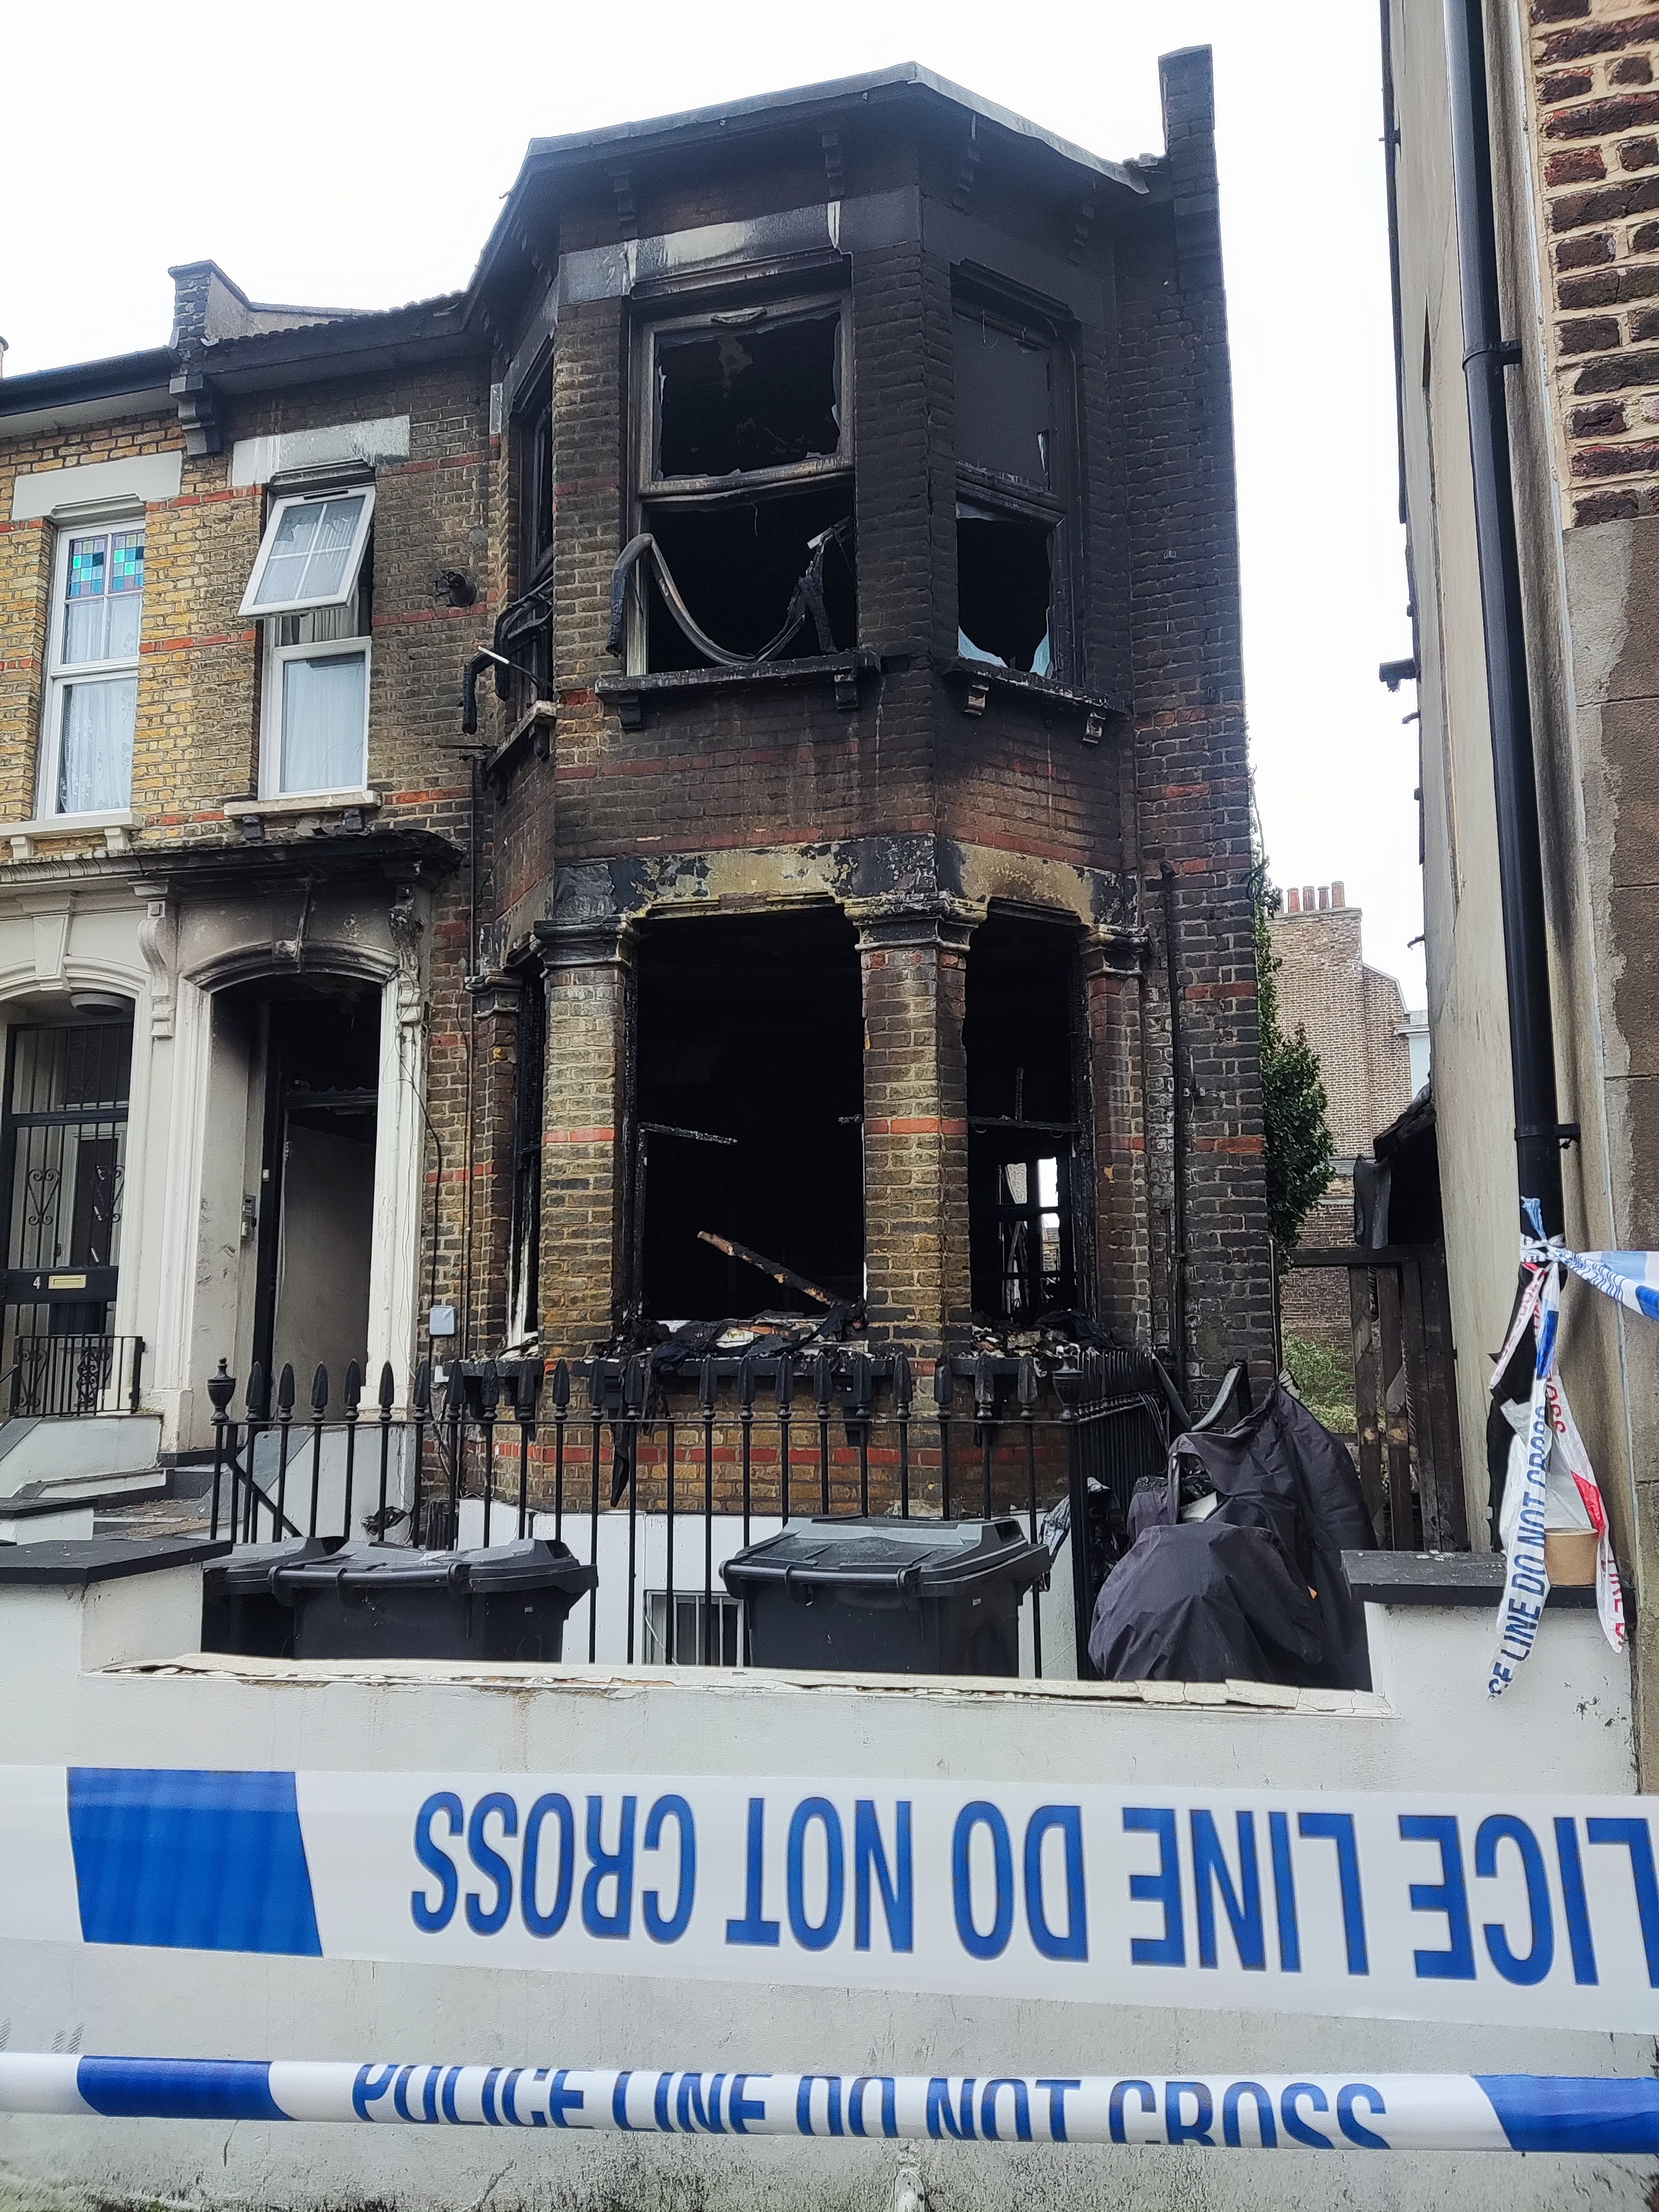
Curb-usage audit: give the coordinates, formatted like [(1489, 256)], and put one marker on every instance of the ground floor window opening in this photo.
[(748, 1094), (1023, 1117)]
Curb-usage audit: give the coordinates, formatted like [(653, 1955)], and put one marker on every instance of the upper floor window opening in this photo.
[(744, 488), (311, 585), (92, 685), (532, 649), (1012, 492)]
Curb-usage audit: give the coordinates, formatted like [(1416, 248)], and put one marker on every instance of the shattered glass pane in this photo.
[(1004, 582), (1004, 399), (730, 401), (738, 563)]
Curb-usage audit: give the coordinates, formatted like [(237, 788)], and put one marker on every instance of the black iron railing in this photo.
[(59, 1377), (657, 1470)]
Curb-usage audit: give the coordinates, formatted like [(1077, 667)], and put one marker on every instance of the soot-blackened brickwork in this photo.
[(898, 783), (918, 801)]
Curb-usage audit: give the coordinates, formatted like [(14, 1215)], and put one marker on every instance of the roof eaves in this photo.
[(73, 384), (691, 122), (545, 155)]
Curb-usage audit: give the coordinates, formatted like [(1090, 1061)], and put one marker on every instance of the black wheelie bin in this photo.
[(506, 1602), (878, 1595), (240, 1612)]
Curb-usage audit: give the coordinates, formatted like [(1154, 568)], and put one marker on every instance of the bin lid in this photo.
[(932, 1558), (527, 1563), (250, 1566)]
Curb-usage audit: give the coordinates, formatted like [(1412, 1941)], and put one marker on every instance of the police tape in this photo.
[(1609, 2115), (1550, 1482)]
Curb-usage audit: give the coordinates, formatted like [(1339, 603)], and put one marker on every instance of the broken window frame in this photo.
[(532, 436), (653, 493), (1020, 499), (334, 627)]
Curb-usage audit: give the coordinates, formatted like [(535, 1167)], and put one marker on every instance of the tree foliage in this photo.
[(1299, 1151)]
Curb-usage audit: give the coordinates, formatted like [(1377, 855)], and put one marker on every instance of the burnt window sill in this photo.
[(532, 737), (630, 695), (978, 679)]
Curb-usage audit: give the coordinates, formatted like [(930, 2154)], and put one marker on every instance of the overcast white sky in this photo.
[(353, 154)]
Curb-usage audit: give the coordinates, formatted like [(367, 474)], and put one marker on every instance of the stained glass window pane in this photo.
[(86, 559), (127, 561)]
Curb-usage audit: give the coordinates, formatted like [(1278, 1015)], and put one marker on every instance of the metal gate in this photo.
[(62, 1164)]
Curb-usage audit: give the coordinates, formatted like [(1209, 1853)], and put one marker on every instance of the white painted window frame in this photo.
[(348, 585), (60, 673), (277, 658)]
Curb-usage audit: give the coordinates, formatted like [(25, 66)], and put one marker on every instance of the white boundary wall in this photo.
[(93, 1679)]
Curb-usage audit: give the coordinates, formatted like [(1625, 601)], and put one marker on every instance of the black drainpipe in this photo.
[(1538, 1131)]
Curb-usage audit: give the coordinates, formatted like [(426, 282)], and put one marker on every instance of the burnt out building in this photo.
[(879, 770), (723, 739)]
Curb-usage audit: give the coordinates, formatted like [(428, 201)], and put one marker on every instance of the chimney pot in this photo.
[(1293, 901), (1324, 896), (1338, 896), (1308, 900)]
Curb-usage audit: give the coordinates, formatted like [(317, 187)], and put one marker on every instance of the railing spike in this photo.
[(320, 1389), (823, 1383), (422, 1394), (904, 1383), (708, 1383), (388, 1390), (1026, 1381), (945, 1381), (285, 1389), (561, 1386), (258, 1402), (783, 1382), (747, 1380)]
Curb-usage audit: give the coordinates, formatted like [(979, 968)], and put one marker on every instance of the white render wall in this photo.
[(96, 1681)]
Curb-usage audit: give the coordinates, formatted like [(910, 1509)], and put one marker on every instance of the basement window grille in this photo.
[(707, 1631)]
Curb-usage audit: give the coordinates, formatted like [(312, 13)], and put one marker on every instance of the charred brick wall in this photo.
[(1193, 781)]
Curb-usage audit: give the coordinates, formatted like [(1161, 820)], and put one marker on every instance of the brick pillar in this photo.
[(1122, 1254), (495, 1045), (583, 1112), (915, 1127)]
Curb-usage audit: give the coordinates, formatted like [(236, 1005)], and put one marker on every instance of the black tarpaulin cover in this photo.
[(1185, 1605), (1205, 1601)]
